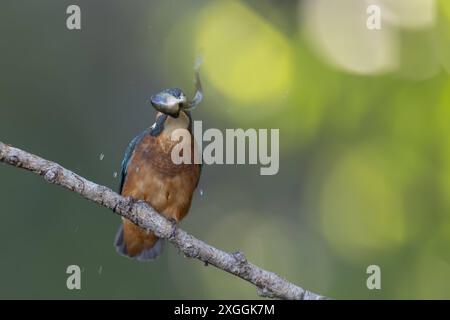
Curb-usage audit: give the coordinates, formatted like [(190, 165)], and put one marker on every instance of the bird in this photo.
[(149, 174)]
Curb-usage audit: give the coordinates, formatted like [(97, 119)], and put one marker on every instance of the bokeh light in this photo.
[(411, 14), (337, 29), (360, 208), (246, 58)]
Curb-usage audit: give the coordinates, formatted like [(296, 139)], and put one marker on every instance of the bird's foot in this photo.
[(174, 227)]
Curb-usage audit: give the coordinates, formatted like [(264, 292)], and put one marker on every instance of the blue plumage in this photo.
[(127, 157), (155, 130)]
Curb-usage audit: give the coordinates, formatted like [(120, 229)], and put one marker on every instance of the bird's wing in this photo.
[(154, 130), (126, 159)]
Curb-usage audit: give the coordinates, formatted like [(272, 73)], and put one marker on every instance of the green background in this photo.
[(364, 152)]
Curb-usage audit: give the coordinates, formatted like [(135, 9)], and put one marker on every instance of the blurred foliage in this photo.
[(364, 119), (246, 58)]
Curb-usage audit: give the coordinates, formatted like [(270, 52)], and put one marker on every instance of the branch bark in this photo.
[(268, 284)]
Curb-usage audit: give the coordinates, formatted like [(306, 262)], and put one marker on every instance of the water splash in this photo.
[(201, 192), (198, 62), (100, 270), (115, 174), (101, 156)]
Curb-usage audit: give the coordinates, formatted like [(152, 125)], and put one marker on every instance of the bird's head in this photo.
[(169, 101), (172, 101)]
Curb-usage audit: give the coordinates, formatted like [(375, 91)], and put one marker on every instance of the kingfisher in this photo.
[(148, 172)]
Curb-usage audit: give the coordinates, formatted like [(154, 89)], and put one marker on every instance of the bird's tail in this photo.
[(134, 242)]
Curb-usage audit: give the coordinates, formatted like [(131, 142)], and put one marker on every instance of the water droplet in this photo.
[(115, 174), (198, 62), (76, 229), (100, 270), (201, 192), (101, 156), (137, 169)]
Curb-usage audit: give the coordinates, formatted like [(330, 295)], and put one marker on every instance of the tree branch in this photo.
[(268, 284)]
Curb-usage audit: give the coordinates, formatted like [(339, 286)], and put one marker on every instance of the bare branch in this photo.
[(268, 284)]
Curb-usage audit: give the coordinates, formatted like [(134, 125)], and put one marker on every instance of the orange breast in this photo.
[(154, 178)]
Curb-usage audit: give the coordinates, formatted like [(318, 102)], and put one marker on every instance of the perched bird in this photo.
[(149, 174)]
